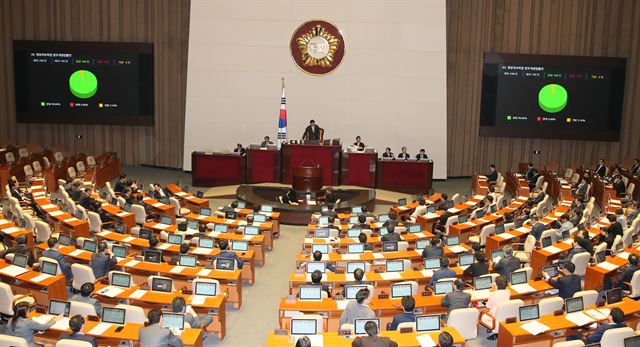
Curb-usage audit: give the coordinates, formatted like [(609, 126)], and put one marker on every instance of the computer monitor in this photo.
[(192, 224), (188, 260), (422, 243), (353, 219), (414, 228), (206, 242), (351, 290), (518, 223), (495, 254), (431, 209), (113, 315), (452, 240), (465, 259), (565, 234), (432, 263), (200, 195), (153, 256), (402, 201), (529, 312), (551, 270), (353, 233), (127, 207), (355, 248), (175, 239), (546, 241), (20, 260), (479, 213), (206, 288), (89, 245), (231, 215), (242, 204), (185, 189), (613, 296), (600, 257), (162, 285), (57, 307), (518, 277), (443, 287), (356, 209), (166, 220), (463, 219), (64, 239), (205, 211), (251, 230), (173, 320), (499, 229), (322, 247), (316, 265), (303, 326), (266, 208), (225, 264), (394, 265), (383, 217), (389, 246), (359, 325), (221, 228), (114, 201), (49, 268), (259, 218), (310, 293), (428, 323), (353, 265), (239, 246), (633, 341), (145, 234), (619, 248), (400, 290), (574, 304), (119, 228), (121, 280), (321, 233), (493, 208), (482, 282), (323, 220)]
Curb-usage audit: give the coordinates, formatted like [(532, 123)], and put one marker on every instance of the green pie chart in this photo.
[(552, 98), (83, 84)]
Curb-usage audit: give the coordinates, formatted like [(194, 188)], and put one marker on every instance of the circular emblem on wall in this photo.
[(317, 47)]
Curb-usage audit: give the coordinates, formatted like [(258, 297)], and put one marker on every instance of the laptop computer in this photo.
[(113, 315), (452, 240), (443, 287), (546, 241), (57, 307), (90, 246), (225, 264), (322, 247), (49, 268), (613, 296), (518, 277), (394, 265), (358, 325), (355, 248), (188, 260), (321, 233), (206, 288), (401, 290), (205, 242), (351, 290), (251, 230), (153, 256), (310, 292), (574, 304), (353, 265), (259, 218), (529, 312), (121, 280), (316, 265), (428, 323), (221, 228), (389, 246), (353, 233), (20, 260), (432, 263), (64, 239), (465, 259), (175, 239), (164, 285), (482, 282), (633, 341), (239, 246), (205, 211), (173, 320)]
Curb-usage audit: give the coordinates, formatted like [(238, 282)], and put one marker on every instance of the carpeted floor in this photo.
[(250, 325)]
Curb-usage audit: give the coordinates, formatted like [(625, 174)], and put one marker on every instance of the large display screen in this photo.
[(84, 82), (544, 96)]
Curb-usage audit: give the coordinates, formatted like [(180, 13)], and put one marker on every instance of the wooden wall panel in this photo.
[(570, 27), (163, 22)]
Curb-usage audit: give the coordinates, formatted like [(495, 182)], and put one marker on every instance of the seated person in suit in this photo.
[(434, 250), (442, 272), (53, 253), (289, 197), (239, 149), (21, 326), (20, 248), (445, 203), (316, 280), (226, 253), (118, 187), (391, 235), (568, 283), (85, 296), (363, 239), (530, 172), (618, 185), (317, 256), (154, 335), (403, 154), (634, 170), (357, 309), (265, 142), (500, 294), (422, 155), (393, 220), (86, 200), (537, 227), (179, 305), (492, 176), (408, 304), (457, 298), (626, 273), (358, 275), (330, 196), (158, 193), (536, 197), (330, 212), (612, 231), (127, 195), (372, 339), (312, 131), (508, 264), (76, 324), (387, 153), (102, 260), (153, 242), (445, 339), (479, 268), (601, 168), (615, 320), (362, 223), (359, 144), (184, 250), (581, 189), (578, 243), (332, 223)]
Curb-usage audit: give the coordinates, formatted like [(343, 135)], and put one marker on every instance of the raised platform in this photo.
[(301, 214)]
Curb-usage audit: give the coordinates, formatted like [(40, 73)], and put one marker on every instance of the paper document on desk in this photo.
[(464, 267), (164, 246), (506, 236), (523, 288), (41, 277), (482, 220), (137, 294), (180, 193), (104, 233), (308, 240), (110, 291), (311, 202), (624, 255), (204, 272), (157, 204), (552, 249), (56, 213), (342, 304), (176, 269), (43, 319), (201, 217), (247, 237), (200, 250), (161, 226), (478, 197), (378, 225), (13, 270), (607, 266), (48, 206), (388, 276), (471, 224), (431, 215), (605, 311), (62, 324), (11, 230), (3, 221), (597, 315), (402, 208), (122, 214), (457, 249), (453, 210), (470, 203), (76, 252), (427, 273), (377, 255), (425, 340), (579, 318), (100, 329), (69, 220), (350, 256), (132, 263), (534, 327), (128, 239), (198, 300)]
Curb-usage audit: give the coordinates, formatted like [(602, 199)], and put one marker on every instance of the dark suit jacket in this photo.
[(581, 190), (566, 285), (404, 156), (440, 274), (477, 269), (620, 188), (359, 145), (387, 155), (601, 170), (635, 169), (16, 194), (373, 341), (537, 229), (242, 151), (395, 237), (507, 265), (421, 156), (101, 264), (456, 300), (432, 251), (492, 177), (64, 266), (596, 336), (402, 318), (264, 144), (626, 273), (312, 133), (81, 337), (118, 187)]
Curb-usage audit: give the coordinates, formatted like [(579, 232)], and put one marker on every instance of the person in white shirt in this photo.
[(500, 294), (420, 209), (620, 218)]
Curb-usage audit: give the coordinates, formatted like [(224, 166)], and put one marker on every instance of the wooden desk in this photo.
[(541, 257), (65, 221), (187, 199), (358, 169), (11, 232), (217, 169), (409, 176), (160, 208), (595, 275), (119, 215), (327, 156), (53, 287), (263, 165), (343, 242)]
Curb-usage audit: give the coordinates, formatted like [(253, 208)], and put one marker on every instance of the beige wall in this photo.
[(390, 88)]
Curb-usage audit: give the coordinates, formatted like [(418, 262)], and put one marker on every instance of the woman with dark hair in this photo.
[(303, 342), (24, 327)]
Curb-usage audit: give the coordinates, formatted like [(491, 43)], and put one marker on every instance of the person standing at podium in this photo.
[(266, 142), (312, 132), (404, 155), (359, 144)]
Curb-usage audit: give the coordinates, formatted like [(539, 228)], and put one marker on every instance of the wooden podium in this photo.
[(307, 178)]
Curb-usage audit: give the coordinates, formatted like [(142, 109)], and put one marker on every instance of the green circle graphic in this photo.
[(83, 84), (552, 98)]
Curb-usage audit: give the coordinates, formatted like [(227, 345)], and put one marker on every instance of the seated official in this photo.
[(614, 321), (226, 253), (537, 227), (456, 299), (239, 149), (362, 223), (179, 305), (626, 273), (289, 197), (20, 248), (445, 204), (76, 324), (492, 176), (620, 218), (612, 231), (391, 235), (372, 339), (153, 243), (567, 282), (330, 196), (445, 339), (86, 200), (618, 185), (265, 142), (443, 272), (403, 154), (581, 190), (118, 187), (311, 132), (508, 264), (102, 260), (330, 211), (387, 154), (634, 170), (479, 268), (359, 144), (420, 209), (21, 326), (363, 239), (393, 220), (601, 168), (85, 296), (578, 243), (316, 280), (536, 197), (357, 309), (317, 256), (434, 250), (158, 192), (184, 250), (631, 212), (358, 275), (408, 304), (154, 335), (53, 253), (422, 155)]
